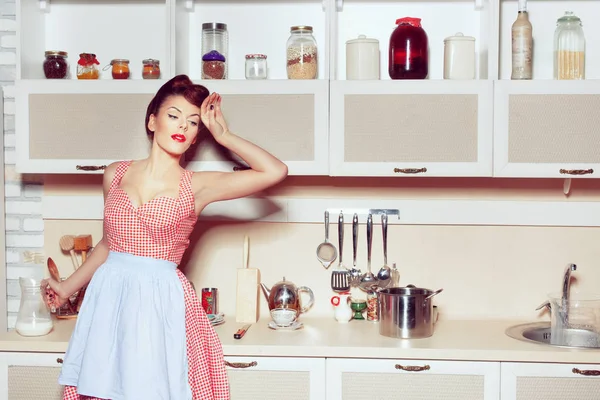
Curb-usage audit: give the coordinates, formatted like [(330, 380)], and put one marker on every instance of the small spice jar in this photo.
[(256, 66), (151, 69), (120, 68), (213, 65), (87, 66), (55, 64)]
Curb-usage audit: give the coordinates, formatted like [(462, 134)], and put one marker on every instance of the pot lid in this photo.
[(362, 39), (459, 36)]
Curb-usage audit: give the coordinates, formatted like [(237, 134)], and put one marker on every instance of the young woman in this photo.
[(141, 332)]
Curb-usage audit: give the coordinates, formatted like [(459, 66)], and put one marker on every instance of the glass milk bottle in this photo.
[(34, 318), (569, 48)]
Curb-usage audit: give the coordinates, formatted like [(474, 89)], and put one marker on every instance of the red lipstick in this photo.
[(178, 138)]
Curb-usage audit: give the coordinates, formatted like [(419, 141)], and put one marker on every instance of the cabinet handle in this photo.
[(241, 364), (59, 360), (235, 169), (90, 167), (413, 368), (410, 170), (576, 171), (586, 372)]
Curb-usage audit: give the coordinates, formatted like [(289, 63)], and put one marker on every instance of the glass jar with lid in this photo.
[(120, 68), (256, 66), (569, 48), (55, 64), (408, 51), (150, 69), (215, 40), (87, 66), (302, 60)]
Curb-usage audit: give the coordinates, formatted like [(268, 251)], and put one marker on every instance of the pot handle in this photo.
[(434, 293), (311, 300), (545, 305)]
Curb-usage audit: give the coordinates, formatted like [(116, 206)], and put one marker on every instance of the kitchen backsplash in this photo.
[(486, 271)]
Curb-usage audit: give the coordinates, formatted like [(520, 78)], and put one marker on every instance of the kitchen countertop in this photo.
[(324, 337)]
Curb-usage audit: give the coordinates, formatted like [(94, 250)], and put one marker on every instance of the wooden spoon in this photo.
[(67, 243)]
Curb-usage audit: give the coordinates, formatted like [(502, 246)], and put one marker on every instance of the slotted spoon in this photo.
[(340, 278)]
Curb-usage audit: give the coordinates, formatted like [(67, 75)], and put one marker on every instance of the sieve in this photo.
[(326, 252)]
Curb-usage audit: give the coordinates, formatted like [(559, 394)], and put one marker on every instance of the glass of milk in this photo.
[(34, 318)]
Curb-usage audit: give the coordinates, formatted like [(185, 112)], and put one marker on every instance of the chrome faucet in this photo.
[(565, 291)]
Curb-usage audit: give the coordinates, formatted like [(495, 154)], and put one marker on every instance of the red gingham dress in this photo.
[(207, 375)]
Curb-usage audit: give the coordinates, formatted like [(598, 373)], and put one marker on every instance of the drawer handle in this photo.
[(59, 360), (586, 372), (576, 171), (90, 167), (410, 170), (241, 364), (413, 368), (236, 169)]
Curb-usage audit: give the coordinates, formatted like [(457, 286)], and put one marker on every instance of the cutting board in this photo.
[(248, 280)]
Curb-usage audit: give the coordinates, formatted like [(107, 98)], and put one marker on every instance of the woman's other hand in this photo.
[(53, 293), (212, 117)]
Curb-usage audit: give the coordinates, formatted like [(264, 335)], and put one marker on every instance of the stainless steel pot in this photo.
[(406, 312)]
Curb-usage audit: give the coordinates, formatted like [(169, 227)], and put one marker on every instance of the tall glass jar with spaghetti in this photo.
[(569, 48)]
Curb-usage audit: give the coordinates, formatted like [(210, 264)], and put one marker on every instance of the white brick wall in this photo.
[(24, 223)]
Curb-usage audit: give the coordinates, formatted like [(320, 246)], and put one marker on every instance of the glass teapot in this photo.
[(34, 318)]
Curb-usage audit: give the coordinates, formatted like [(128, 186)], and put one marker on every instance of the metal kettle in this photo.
[(285, 295)]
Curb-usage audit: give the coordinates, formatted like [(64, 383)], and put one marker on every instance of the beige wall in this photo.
[(486, 271)]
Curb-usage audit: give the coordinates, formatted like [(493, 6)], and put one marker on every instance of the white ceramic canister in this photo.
[(459, 57), (362, 58)]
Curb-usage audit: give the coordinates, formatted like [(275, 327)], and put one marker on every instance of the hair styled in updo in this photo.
[(181, 85)]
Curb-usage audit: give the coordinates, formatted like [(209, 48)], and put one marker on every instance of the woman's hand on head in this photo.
[(212, 117)]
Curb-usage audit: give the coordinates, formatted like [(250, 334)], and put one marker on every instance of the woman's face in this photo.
[(176, 125)]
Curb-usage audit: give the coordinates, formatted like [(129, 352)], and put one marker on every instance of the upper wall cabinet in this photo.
[(64, 127)]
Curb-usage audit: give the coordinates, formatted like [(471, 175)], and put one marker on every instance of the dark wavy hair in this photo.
[(181, 85)]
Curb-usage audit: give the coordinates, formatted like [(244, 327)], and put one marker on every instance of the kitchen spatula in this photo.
[(340, 278)]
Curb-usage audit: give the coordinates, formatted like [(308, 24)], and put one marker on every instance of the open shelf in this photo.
[(543, 15)]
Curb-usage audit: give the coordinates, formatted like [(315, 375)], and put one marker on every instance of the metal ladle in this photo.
[(368, 281), (326, 251), (385, 273)]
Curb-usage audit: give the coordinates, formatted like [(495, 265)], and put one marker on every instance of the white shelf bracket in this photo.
[(189, 5), (44, 5), (479, 5), (339, 5)]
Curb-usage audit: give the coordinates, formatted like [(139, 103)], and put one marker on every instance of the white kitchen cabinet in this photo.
[(547, 129), (27, 376), (411, 128), (63, 127), (359, 379), (270, 378), (537, 381)]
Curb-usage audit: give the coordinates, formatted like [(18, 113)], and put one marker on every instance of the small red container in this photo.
[(209, 300), (408, 58)]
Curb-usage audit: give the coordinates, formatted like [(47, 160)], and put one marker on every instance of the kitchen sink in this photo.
[(540, 332)]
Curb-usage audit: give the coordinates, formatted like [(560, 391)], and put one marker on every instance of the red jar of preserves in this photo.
[(408, 58), (151, 69), (55, 64), (120, 68)]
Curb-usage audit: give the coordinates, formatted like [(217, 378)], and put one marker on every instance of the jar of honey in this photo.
[(87, 66), (151, 69), (120, 68)]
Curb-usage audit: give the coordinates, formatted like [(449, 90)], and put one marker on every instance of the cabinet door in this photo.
[(266, 378), (70, 126), (536, 381), (26, 376), (359, 379), (411, 128), (547, 129)]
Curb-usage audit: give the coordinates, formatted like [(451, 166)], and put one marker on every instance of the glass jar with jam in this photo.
[(87, 66), (409, 50), (55, 64), (120, 68), (151, 69)]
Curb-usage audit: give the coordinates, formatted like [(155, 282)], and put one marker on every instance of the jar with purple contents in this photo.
[(213, 65), (55, 64)]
